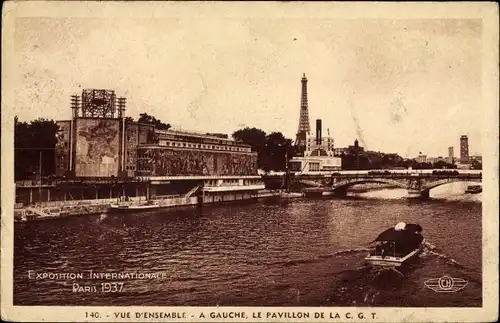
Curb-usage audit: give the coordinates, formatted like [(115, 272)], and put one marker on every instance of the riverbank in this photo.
[(60, 209)]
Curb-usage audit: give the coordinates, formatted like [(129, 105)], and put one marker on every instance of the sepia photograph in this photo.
[(200, 155)]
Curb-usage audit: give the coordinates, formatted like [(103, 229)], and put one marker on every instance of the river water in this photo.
[(300, 252)]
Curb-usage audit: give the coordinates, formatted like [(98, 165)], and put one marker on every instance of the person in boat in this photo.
[(387, 249)]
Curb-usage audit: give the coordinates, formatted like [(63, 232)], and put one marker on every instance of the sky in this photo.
[(398, 86)]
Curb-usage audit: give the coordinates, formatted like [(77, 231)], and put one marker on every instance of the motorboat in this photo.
[(396, 245), (129, 207), (286, 194), (474, 189)]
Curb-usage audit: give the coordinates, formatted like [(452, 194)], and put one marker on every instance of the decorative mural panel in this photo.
[(62, 147), (97, 147), (170, 162), (131, 140), (143, 133)]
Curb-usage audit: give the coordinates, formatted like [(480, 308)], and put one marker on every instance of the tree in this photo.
[(271, 149), (149, 119), (256, 138), (29, 140), (251, 136), (277, 150)]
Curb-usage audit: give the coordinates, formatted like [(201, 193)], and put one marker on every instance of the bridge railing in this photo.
[(393, 175)]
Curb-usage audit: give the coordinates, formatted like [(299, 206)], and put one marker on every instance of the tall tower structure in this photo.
[(356, 154), (464, 149), (304, 127), (451, 155)]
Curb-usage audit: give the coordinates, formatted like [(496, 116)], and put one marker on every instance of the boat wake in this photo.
[(102, 217), (449, 260), (430, 250), (349, 251), (364, 285), (114, 230), (293, 262), (344, 252)]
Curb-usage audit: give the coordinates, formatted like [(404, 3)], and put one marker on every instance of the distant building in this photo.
[(461, 165), (355, 149), (319, 154), (476, 161), (478, 158), (433, 160), (451, 155), (319, 141), (337, 152), (421, 158), (464, 149), (351, 155)]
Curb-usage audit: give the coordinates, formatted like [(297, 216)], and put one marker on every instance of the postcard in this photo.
[(249, 161)]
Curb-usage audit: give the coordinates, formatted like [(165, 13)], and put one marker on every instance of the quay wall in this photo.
[(97, 206)]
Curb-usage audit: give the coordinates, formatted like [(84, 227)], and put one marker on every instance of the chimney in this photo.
[(318, 132)]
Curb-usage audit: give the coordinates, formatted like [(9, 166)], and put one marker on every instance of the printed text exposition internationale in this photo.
[(96, 275)]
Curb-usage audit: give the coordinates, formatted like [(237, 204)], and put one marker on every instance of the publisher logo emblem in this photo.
[(446, 284)]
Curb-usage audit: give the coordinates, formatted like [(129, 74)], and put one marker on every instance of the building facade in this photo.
[(337, 152), (422, 158), (99, 142), (185, 153), (477, 158), (433, 160), (319, 154), (451, 155), (464, 149)]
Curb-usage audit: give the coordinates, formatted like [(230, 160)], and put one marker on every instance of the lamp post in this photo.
[(286, 146), (287, 173)]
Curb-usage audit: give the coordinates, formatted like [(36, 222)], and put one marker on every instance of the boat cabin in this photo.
[(397, 242)]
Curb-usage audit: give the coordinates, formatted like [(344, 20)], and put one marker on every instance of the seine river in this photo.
[(306, 252)]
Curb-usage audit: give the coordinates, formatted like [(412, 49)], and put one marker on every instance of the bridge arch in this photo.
[(429, 186), (345, 184)]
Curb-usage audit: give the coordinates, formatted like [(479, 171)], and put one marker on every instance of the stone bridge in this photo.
[(417, 184)]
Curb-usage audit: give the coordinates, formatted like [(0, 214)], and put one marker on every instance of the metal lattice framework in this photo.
[(304, 126), (98, 103)]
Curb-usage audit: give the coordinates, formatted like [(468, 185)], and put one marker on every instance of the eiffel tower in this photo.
[(304, 127)]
